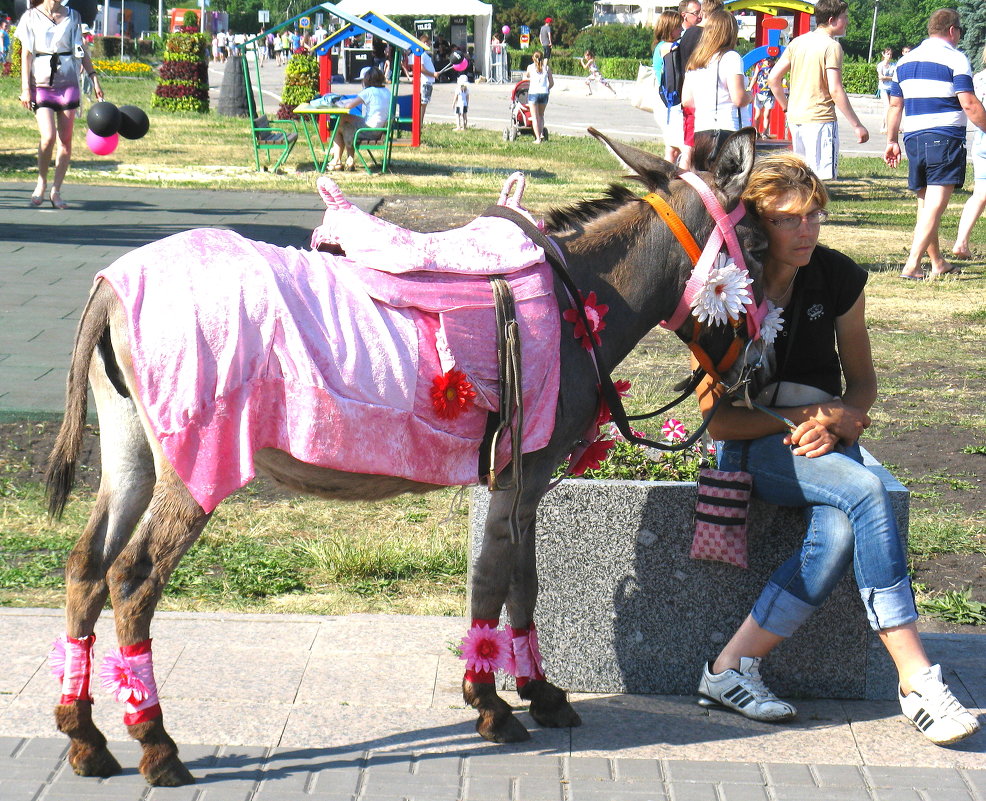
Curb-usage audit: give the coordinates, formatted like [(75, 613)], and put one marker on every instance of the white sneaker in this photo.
[(935, 711), (743, 691)]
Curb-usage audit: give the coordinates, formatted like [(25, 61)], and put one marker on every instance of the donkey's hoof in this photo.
[(168, 771), (501, 728), (549, 705), (97, 762)]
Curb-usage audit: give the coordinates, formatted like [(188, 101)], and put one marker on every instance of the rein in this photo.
[(702, 262)]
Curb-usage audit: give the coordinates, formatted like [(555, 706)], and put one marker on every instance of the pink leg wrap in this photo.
[(485, 650), (527, 655), (129, 675), (71, 663)]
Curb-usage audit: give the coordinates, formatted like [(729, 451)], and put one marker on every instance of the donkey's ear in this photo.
[(653, 171), (734, 164)]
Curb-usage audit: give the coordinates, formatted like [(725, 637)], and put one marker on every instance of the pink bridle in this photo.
[(724, 233)]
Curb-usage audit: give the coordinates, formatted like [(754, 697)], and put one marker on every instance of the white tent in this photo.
[(483, 13)]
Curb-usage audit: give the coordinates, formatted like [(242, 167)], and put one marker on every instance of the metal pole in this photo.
[(160, 17), (876, 5)]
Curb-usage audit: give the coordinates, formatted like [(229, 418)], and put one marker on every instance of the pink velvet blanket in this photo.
[(240, 345)]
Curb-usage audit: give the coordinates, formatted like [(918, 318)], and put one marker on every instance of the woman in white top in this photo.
[(885, 76), (715, 86), (540, 81), (375, 99), (51, 49)]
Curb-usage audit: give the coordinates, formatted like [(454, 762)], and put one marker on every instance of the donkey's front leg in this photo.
[(172, 523), (549, 704), (487, 648)]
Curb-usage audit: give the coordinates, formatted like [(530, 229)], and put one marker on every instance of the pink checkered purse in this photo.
[(720, 516)]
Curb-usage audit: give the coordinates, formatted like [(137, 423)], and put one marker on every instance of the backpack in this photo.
[(672, 77)]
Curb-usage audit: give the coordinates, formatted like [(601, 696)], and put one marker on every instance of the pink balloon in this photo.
[(102, 145), (506, 30), (462, 66)]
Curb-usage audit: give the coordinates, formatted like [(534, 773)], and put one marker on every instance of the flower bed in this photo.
[(184, 83), (123, 69)]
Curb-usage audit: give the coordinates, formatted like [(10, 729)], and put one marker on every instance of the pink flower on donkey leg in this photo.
[(486, 649)]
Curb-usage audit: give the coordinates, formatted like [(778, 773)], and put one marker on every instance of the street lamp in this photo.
[(876, 6)]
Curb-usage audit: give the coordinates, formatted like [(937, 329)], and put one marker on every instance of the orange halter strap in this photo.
[(694, 252)]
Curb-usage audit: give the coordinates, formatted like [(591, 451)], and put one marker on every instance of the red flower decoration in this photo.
[(594, 314), (604, 415), (451, 394), (593, 456)]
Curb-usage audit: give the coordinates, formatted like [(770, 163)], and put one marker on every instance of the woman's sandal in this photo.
[(56, 200), (38, 198)]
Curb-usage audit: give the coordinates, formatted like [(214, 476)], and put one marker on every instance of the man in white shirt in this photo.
[(932, 88), (815, 62)]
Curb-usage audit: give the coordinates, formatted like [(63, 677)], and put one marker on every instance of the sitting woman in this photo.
[(375, 100), (816, 465)]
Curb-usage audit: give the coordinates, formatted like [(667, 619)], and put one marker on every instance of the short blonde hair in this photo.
[(777, 175)]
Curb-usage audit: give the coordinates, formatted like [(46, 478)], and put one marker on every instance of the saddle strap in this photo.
[(511, 385)]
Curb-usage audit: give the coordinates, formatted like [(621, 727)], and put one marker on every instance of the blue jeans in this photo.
[(849, 520)]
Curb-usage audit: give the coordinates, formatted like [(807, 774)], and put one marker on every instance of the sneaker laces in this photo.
[(938, 693), (755, 684)]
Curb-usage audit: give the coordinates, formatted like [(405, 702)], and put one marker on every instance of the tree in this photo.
[(973, 14)]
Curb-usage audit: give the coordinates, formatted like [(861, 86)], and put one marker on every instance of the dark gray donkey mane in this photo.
[(577, 214)]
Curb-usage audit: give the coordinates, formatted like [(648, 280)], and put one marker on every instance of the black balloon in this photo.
[(133, 122), (103, 119), (455, 57)]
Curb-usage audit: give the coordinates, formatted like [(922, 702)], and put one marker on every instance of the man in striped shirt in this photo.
[(932, 89)]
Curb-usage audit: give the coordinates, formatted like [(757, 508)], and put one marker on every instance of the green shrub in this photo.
[(109, 47), (618, 69), (615, 41), (300, 84), (190, 20), (859, 78)]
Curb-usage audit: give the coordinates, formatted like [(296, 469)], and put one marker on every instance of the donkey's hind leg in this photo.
[(125, 488), (137, 578)]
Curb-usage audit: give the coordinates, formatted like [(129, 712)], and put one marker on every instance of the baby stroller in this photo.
[(520, 114)]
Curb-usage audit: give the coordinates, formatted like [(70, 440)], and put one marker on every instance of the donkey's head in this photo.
[(712, 307)]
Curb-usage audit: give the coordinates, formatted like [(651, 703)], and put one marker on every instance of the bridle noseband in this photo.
[(703, 261)]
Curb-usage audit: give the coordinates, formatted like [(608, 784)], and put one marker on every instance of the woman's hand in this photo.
[(811, 439), (25, 98), (847, 422)]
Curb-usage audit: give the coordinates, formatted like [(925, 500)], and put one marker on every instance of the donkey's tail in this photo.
[(60, 471)]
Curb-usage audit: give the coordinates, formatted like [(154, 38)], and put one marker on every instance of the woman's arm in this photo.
[(90, 70), (688, 90), (738, 93), (27, 67), (551, 78)]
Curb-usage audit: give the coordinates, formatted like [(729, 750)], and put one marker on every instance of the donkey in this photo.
[(145, 517)]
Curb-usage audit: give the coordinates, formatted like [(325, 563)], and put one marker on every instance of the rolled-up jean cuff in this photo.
[(891, 606), (779, 612)]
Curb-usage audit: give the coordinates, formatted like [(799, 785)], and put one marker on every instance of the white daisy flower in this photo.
[(772, 323), (724, 294)]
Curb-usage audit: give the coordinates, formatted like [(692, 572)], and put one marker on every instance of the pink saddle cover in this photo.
[(240, 345)]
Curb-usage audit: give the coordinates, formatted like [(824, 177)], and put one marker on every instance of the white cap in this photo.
[(463, 79), (363, 72)]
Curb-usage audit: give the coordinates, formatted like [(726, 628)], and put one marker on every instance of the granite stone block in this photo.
[(623, 608)]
